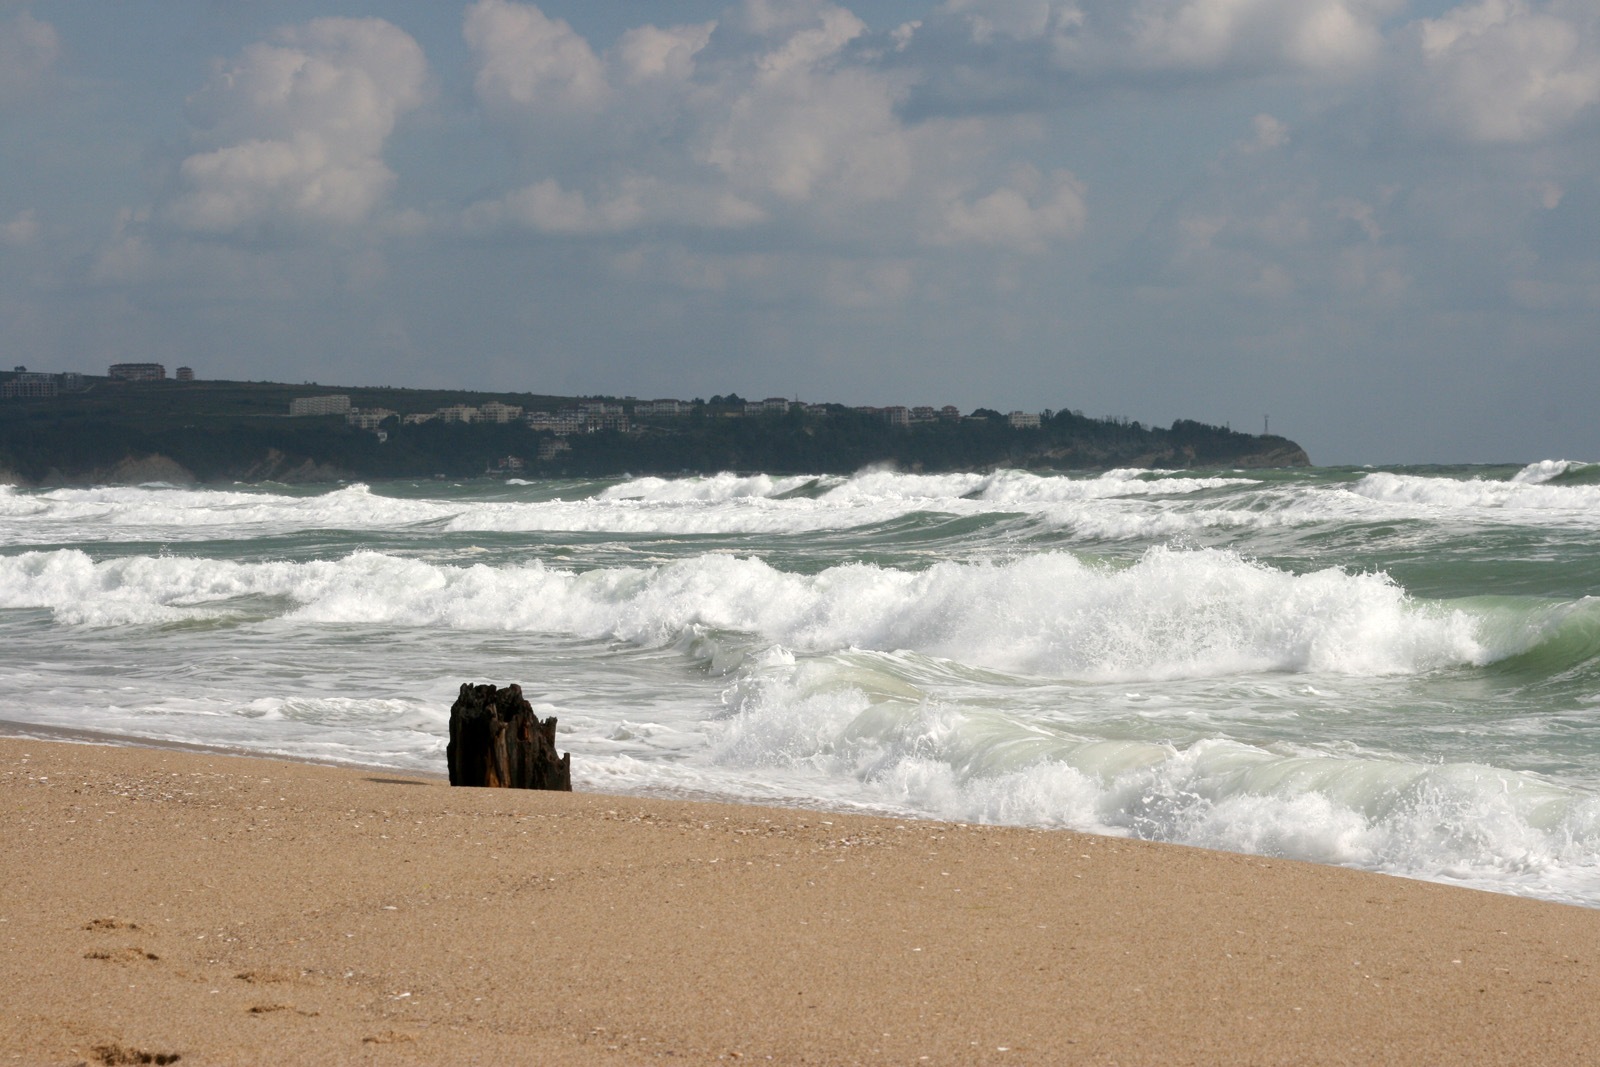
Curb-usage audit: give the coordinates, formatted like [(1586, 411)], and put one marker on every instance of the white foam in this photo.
[(1119, 504), (1172, 614), (1466, 823), (700, 490), (1526, 501), (1546, 469)]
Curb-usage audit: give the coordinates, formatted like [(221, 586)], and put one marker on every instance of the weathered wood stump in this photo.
[(497, 740)]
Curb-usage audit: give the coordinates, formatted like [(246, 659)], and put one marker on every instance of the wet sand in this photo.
[(228, 910)]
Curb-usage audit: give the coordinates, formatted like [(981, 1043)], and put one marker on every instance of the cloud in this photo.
[(1024, 215), (1122, 39), (301, 121), (782, 115), (650, 53), (802, 129), (529, 61), (634, 202), (1506, 71), (1309, 35), (29, 47)]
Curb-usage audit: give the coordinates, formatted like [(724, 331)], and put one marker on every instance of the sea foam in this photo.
[(1484, 500), (1170, 614), (909, 752)]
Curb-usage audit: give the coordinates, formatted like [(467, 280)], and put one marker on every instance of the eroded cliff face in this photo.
[(277, 466), (139, 470), (1288, 455), (274, 466)]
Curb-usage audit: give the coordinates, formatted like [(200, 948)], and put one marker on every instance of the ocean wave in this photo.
[(1171, 614), (1487, 500), (1550, 470), (715, 488), (1465, 823), (1125, 503)]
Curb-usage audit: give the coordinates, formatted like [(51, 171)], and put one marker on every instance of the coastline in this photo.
[(231, 909)]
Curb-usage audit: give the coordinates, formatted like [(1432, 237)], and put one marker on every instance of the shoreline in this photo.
[(244, 909), (12, 729)]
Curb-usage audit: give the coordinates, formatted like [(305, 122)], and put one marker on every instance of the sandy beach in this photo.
[(165, 906)]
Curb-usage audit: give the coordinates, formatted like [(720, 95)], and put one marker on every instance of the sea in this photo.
[(1392, 669)]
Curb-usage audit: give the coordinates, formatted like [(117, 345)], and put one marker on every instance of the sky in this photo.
[(1376, 222)]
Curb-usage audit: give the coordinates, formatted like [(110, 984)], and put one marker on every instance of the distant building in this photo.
[(137, 372), (778, 404), (923, 414), (70, 381), (417, 418), (551, 447), (897, 416), (507, 465), (494, 411), (563, 422), (185, 374), (950, 413), (368, 418), (659, 408), (337, 404), (29, 385), (1023, 420), (457, 413)]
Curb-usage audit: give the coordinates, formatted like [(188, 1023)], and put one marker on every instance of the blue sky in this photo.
[(1376, 221)]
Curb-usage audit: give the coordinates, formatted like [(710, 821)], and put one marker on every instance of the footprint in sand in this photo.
[(120, 955), (116, 1054)]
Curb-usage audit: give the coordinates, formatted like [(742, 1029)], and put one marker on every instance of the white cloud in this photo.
[(1024, 215), (649, 52), (29, 47), (527, 60), (1313, 35), (302, 120), (636, 201), (781, 114), (1193, 36), (1507, 71), (802, 133)]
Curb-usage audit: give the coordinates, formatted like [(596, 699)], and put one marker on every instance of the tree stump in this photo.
[(497, 740)]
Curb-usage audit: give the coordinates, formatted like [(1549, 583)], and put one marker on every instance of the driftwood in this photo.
[(497, 740)]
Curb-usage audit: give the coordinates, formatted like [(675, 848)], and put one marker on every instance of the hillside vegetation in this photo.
[(213, 431)]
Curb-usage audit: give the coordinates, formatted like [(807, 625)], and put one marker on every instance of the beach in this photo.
[(161, 904)]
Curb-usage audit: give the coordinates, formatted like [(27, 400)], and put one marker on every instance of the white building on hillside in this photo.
[(494, 411)]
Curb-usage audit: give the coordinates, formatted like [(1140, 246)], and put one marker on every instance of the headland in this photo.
[(83, 429)]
